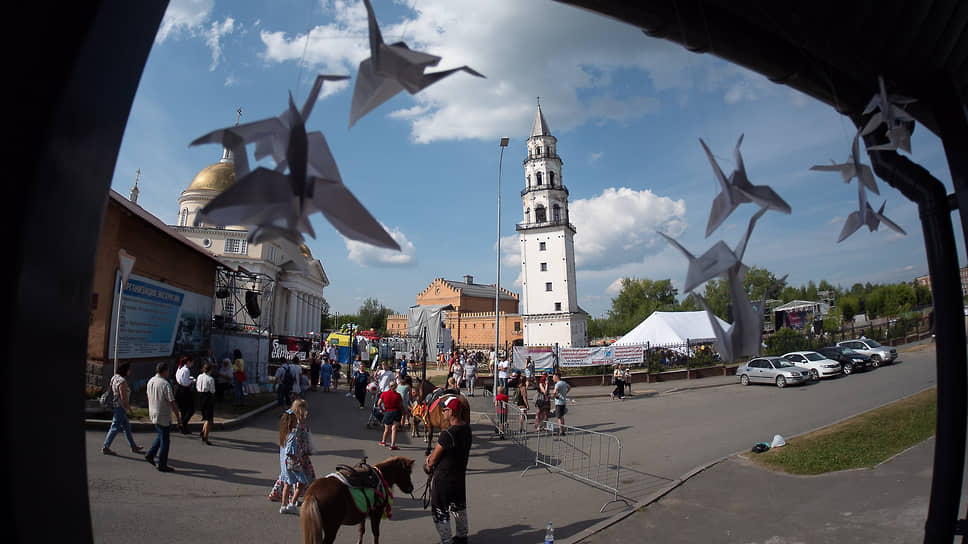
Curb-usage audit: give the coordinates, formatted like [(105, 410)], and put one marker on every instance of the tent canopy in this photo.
[(672, 328)]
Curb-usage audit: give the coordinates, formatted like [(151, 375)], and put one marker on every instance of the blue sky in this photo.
[(627, 110)]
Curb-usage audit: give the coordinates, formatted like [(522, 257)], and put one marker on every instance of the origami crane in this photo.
[(853, 168), (391, 69), (737, 190), (867, 216), (891, 114), (744, 336), (278, 204), (270, 136)]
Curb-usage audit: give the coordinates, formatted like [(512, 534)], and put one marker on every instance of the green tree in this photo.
[(373, 315)]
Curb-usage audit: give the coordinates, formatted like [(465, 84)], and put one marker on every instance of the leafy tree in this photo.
[(373, 315)]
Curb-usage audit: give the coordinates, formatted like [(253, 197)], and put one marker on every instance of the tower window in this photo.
[(548, 286), (557, 306), (556, 213), (541, 246), (551, 179), (537, 176), (517, 326), (527, 215), (537, 151), (183, 218), (540, 215), (236, 245), (544, 267)]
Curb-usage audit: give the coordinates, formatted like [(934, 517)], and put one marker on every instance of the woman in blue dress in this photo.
[(291, 471), (326, 374)]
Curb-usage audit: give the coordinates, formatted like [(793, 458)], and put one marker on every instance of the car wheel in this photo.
[(848, 369), (780, 381), (744, 379), (875, 361), (814, 375)]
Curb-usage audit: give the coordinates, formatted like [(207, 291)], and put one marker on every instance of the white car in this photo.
[(820, 366)]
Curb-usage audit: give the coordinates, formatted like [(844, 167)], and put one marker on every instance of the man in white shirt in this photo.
[(161, 406), (185, 393), (384, 378), (502, 373)]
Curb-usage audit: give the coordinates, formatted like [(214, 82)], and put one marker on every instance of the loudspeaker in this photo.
[(252, 304), (218, 321)]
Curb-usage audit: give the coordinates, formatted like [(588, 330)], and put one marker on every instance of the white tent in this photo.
[(672, 328)]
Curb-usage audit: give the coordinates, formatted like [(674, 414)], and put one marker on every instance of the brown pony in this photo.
[(418, 405), (435, 419), (328, 504)]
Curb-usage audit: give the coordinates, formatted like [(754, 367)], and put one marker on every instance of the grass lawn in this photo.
[(861, 441)]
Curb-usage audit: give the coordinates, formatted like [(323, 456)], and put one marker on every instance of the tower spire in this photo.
[(539, 127), (133, 197), (226, 152)]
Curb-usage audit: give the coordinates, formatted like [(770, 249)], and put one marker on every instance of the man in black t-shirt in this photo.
[(448, 464)]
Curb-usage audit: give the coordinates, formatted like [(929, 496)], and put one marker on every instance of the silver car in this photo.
[(772, 369), (878, 353)]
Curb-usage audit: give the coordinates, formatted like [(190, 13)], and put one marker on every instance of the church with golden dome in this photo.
[(286, 279)]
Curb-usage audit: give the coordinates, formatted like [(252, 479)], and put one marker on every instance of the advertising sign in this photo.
[(158, 319), (284, 348), (610, 355)]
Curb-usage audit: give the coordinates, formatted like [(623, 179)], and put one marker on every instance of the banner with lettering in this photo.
[(284, 348), (609, 355), (159, 320)]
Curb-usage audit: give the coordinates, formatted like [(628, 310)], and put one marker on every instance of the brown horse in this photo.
[(328, 504), (435, 419), (418, 405)]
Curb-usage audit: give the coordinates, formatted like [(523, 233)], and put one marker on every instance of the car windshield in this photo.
[(814, 356), (873, 343)]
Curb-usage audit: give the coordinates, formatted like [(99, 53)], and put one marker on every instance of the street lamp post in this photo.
[(497, 285)]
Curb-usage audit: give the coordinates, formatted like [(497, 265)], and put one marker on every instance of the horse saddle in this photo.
[(362, 475), (438, 394)]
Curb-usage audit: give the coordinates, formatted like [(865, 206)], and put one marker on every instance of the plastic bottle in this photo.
[(550, 534)]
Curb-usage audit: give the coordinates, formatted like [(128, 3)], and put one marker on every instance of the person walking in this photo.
[(404, 387), (529, 368), (502, 372), (314, 369), (238, 371), (392, 405), (326, 375), (627, 379), (185, 392), (447, 467), (384, 378), (501, 407), (161, 407), (206, 400), (336, 375), (458, 373), (284, 384), (560, 393), (223, 379), (291, 470), (360, 380), (470, 373), (520, 398), (618, 380), (121, 408)]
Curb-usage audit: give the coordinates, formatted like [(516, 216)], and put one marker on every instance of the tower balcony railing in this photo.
[(542, 155), (542, 224), (559, 187)]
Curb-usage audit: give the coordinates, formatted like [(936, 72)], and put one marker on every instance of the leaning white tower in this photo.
[(551, 314)]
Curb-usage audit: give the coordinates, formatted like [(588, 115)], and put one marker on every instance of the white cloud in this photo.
[(213, 39), (367, 255), (595, 157), (520, 59), (184, 16), (619, 226), (615, 287)]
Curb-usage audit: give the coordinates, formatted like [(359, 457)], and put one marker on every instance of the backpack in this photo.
[(286, 381), (107, 397)]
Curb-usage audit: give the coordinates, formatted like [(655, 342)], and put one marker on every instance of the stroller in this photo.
[(375, 420)]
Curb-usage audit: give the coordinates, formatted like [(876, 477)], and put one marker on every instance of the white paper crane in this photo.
[(391, 69), (853, 168), (277, 204), (737, 189), (891, 114), (744, 336)]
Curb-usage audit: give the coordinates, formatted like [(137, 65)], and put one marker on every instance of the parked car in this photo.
[(771, 370), (879, 354), (851, 361), (819, 365)]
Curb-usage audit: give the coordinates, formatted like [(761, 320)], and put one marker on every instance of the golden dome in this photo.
[(214, 177)]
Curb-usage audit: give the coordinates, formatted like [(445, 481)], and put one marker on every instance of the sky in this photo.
[(628, 112)]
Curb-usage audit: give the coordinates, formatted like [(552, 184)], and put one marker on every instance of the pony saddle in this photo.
[(362, 475)]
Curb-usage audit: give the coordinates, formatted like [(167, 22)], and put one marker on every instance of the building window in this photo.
[(556, 213), (537, 152), (517, 326), (540, 215), (236, 245), (271, 254), (557, 306), (183, 218), (537, 176), (527, 215), (544, 267), (551, 179), (548, 286), (541, 246)]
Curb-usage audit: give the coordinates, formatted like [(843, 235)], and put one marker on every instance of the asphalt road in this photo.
[(217, 493)]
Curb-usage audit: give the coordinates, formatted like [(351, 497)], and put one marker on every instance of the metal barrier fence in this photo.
[(588, 456), (510, 421)]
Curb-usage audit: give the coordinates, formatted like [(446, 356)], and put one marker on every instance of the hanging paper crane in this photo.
[(891, 114)]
